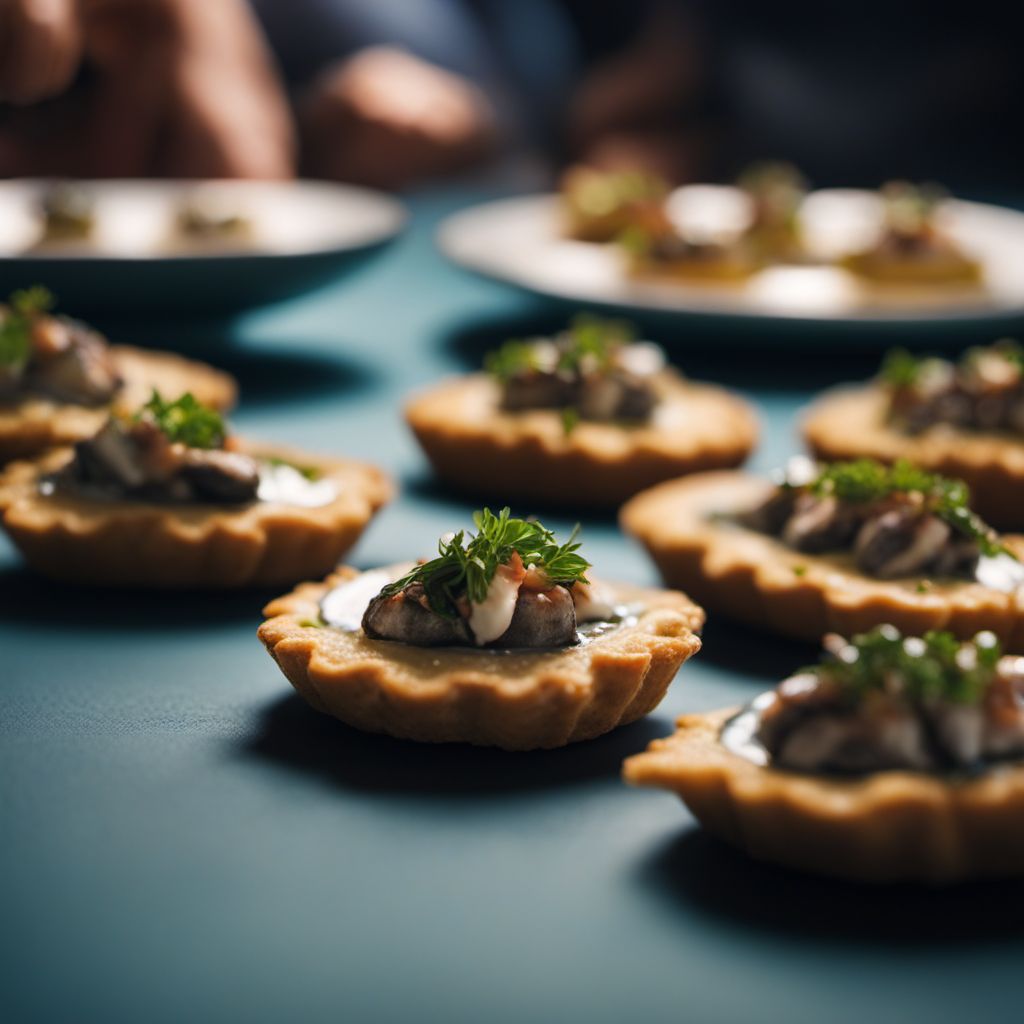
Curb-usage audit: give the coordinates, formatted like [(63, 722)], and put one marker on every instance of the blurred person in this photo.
[(137, 88)]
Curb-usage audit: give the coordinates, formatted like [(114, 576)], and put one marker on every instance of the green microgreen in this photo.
[(900, 369), (311, 473), (592, 339), (466, 562), (863, 480), (185, 420), (515, 357), (936, 666), (16, 326)]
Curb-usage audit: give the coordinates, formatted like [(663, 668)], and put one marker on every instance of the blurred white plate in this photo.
[(519, 241), (302, 234)]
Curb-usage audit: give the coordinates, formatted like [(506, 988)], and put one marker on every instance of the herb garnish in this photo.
[(466, 564), (186, 420), (513, 358), (936, 666), (588, 343), (16, 326), (311, 473), (901, 369), (864, 480)]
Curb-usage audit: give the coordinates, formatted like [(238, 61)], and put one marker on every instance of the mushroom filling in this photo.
[(171, 451), (511, 585), (883, 701), (52, 355), (896, 521), (592, 371), (984, 390)]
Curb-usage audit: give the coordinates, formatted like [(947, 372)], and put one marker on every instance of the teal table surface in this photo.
[(181, 838)]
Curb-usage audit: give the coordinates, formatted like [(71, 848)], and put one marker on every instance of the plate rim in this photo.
[(960, 315)]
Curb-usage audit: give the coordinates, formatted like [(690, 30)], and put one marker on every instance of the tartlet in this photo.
[(59, 379), (655, 248), (776, 192), (525, 654), (900, 759), (146, 504), (964, 420), (586, 419), (840, 548), (912, 249), (597, 206)]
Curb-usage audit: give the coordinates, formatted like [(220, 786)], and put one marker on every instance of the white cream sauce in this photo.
[(286, 485)]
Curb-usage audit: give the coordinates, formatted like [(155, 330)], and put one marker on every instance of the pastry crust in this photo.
[(515, 700), (951, 267), (162, 546), (852, 422), (33, 424), (730, 268), (885, 827), (757, 579), (475, 445)]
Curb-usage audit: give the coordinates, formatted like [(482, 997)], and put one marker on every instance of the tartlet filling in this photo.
[(592, 371), (603, 203), (654, 238), (68, 212), (884, 701), (211, 216), (910, 234), (510, 585), (896, 521), (984, 390), (51, 355), (776, 192), (170, 451)]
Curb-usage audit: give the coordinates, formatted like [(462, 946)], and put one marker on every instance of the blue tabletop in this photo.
[(181, 838)]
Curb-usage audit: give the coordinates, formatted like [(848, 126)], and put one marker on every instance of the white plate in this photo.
[(303, 234), (519, 241)]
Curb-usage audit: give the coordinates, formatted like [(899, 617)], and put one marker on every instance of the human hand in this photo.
[(386, 118)]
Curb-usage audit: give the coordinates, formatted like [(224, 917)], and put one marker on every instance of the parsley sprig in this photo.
[(588, 343), (863, 480), (16, 326), (466, 563), (185, 420), (936, 666)]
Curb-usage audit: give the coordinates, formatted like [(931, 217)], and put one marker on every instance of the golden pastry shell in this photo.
[(886, 827), (517, 700), (162, 545), (475, 445), (757, 579)]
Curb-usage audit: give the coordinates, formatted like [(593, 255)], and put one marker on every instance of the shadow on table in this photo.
[(283, 377), (289, 368), (746, 355), (425, 487), (294, 736), (28, 599), (760, 657), (700, 874)]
